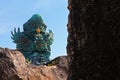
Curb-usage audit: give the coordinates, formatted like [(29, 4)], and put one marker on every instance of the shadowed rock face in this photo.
[(14, 67), (94, 39)]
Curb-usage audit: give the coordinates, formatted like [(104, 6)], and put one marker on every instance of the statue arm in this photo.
[(50, 37), (18, 37)]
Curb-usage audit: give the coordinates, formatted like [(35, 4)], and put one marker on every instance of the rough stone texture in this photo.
[(94, 39), (14, 67)]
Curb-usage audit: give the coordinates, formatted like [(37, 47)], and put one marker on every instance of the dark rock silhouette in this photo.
[(94, 39), (14, 67)]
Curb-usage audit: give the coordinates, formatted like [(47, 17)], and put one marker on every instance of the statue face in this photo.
[(34, 30)]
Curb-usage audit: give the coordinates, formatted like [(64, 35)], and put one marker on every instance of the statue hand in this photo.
[(50, 31), (15, 35), (50, 34)]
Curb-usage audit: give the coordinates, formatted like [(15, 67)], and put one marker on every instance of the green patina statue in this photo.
[(34, 42)]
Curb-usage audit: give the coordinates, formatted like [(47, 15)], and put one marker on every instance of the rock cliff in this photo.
[(94, 39), (13, 66)]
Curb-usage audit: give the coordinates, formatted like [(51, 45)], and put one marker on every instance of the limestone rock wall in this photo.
[(94, 39)]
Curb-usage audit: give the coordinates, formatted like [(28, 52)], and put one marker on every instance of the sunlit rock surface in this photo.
[(13, 66)]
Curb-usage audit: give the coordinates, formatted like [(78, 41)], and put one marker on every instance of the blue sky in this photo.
[(14, 13)]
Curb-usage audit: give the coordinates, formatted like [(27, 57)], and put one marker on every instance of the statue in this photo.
[(34, 42)]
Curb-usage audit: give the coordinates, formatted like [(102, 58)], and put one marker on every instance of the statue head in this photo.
[(34, 25)]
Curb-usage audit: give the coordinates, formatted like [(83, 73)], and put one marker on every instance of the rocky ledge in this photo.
[(13, 66)]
